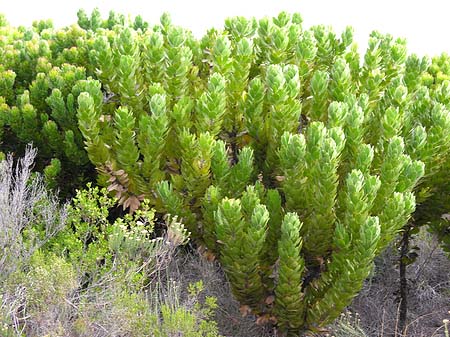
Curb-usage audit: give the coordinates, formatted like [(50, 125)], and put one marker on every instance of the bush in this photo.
[(29, 214), (435, 207), (39, 87), (44, 309), (95, 244), (289, 160)]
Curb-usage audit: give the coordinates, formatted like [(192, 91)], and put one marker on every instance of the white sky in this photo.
[(425, 24)]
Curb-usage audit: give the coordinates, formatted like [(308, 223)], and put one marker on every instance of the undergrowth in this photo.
[(69, 271)]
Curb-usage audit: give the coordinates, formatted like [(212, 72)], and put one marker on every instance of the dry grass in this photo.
[(191, 267), (428, 296)]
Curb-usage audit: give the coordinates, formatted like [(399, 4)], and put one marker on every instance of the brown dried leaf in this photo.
[(270, 299), (113, 187), (122, 199), (264, 319), (201, 249), (124, 182), (320, 330), (209, 256), (245, 310), (119, 172), (126, 203), (321, 261), (242, 133), (134, 204)]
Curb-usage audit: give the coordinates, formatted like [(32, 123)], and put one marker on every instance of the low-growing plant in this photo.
[(348, 325), (135, 314), (94, 243), (193, 319), (48, 283), (96, 276), (30, 215)]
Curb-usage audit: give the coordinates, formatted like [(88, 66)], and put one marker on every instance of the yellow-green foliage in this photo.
[(343, 144), (45, 287), (48, 281), (246, 134)]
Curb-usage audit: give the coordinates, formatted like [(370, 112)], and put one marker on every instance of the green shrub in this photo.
[(38, 94), (132, 314), (264, 138), (194, 319), (95, 244), (434, 209), (284, 143), (48, 282), (348, 325)]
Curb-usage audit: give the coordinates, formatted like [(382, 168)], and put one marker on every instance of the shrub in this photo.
[(38, 101), (265, 138), (48, 283), (96, 244), (434, 209), (29, 214), (348, 325), (294, 164)]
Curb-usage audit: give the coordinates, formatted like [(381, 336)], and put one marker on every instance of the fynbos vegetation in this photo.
[(292, 160)]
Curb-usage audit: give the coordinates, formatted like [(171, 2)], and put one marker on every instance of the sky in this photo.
[(425, 24)]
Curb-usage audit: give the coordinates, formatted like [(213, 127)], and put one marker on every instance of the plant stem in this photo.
[(404, 248)]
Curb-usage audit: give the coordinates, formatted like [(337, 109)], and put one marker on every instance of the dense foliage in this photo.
[(289, 159)]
